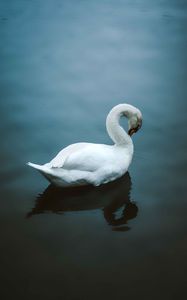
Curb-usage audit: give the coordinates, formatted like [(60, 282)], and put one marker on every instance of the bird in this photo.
[(95, 164)]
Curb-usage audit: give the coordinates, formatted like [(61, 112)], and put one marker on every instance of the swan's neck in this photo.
[(114, 129)]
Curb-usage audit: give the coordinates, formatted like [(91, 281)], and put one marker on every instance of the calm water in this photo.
[(64, 65)]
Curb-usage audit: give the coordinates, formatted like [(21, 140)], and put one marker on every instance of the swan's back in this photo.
[(90, 157)]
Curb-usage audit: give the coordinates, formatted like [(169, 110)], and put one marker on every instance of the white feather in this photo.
[(89, 163)]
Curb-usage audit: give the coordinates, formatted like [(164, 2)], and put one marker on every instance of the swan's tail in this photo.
[(52, 175), (44, 170), (37, 167)]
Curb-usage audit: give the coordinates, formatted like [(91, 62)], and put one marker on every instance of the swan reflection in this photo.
[(113, 198)]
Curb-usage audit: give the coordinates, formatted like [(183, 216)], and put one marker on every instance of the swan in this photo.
[(96, 164)]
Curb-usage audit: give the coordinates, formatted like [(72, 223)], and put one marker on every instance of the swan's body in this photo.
[(87, 163)]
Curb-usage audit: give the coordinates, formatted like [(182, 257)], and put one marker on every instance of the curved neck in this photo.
[(114, 129)]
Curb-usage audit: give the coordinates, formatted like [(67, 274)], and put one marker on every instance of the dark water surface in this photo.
[(64, 65)]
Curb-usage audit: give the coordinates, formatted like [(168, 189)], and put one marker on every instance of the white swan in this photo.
[(87, 163)]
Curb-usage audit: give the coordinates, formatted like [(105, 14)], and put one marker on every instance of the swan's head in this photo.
[(135, 121)]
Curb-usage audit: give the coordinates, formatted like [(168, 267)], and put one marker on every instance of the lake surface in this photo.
[(64, 65)]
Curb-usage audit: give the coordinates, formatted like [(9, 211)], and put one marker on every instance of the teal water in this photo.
[(64, 65)]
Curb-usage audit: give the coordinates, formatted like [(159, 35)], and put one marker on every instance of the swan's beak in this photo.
[(135, 129), (132, 130)]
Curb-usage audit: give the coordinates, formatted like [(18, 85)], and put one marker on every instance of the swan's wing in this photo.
[(59, 160), (90, 158), (83, 157)]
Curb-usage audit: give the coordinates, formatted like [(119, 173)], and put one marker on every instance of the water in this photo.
[(64, 65)]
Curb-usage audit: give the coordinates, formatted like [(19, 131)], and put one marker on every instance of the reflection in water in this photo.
[(110, 198)]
